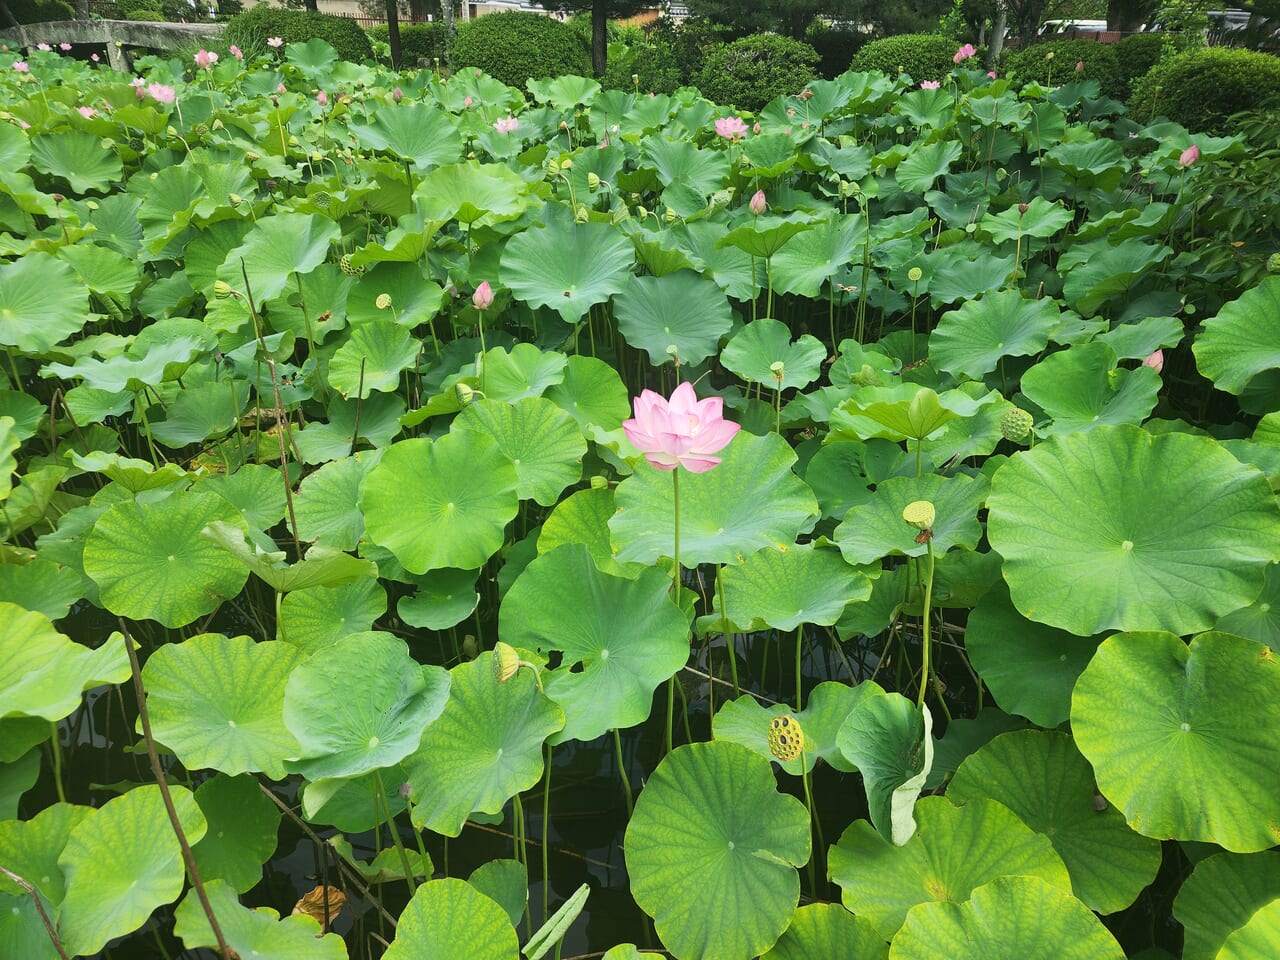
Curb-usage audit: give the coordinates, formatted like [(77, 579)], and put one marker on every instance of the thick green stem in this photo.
[(728, 634), (380, 795), (546, 831), (622, 773), (675, 584), (56, 744), (925, 638)]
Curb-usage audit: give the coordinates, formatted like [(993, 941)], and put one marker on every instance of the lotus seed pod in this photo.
[(920, 514), (582, 214), (566, 163), (383, 301), (322, 200), (235, 199), (1016, 424), (505, 661), (252, 157), (221, 289), (599, 483), (1273, 263), (778, 369), (914, 274), (786, 739), (349, 268), (593, 181)]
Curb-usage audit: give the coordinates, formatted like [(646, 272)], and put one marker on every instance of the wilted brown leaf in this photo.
[(323, 904)]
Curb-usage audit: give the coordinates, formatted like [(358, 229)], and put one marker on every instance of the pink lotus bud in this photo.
[(397, 94), (755, 127), (1189, 155), (1079, 66), (280, 88), (95, 58), (466, 104), (757, 203), (482, 299), (322, 98), (237, 52), (1155, 361), (991, 74)]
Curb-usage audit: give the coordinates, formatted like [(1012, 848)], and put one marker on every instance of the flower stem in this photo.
[(729, 636), (546, 830), (675, 583), (622, 773), (925, 632)]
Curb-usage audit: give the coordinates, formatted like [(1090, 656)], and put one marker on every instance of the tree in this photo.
[(793, 17), (602, 11)]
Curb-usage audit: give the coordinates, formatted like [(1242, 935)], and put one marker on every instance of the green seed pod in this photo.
[(920, 514), (786, 739), (1016, 424), (349, 268)]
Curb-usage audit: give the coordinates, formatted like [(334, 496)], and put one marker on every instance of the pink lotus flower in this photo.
[(160, 93), (205, 59), (95, 58), (731, 128), (1155, 361), (237, 52), (1079, 66), (1189, 155), (280, 88), (507, 124), (991, 74), (929, 84), (275, 42), (466, 103), (322, 98), (482, 299), (87, 112), (21, 66), (44, 47), (757, 204), (964, 53), (64, 47), (681, 431)]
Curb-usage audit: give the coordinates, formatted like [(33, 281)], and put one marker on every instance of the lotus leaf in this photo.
[(1243, 341), (253, 933), (1221, 895), (681, 310), (890, 741), (449, 918), (828, 930), (567, 267), (242, 831)]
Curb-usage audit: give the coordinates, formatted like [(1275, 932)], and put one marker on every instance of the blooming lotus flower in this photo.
[(507, 124), (731, 128), (87, 112), (21, 66), (991, 74), (964, 53), (322, 98), (237, 52), (160, 93), (1189, 155), (64, 47), (482, 299), (275, 42), (95, 58), (44, 47), (205, 59), (757, 204), (929, 84), (681, 431), (1155, 361)]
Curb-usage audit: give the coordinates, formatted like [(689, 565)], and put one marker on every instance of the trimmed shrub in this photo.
[(921, 56), (146, 15), (1201, 89), (514, 47), (654, 67), (1137, 53), (249, 31), (836, 48), (750, 72), (41, 11), (1099, 59), (689, 41), (418, 41)]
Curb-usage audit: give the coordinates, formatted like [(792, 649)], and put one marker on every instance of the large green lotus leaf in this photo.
[(764, 236), (972, 340), (484, 749), (441, 504), (1259, 621), (1013, 916), (275, 249), (41, 303), (415, 297), (378, 423), (78, 157), (473, 192), (345, 736), (1182, 739), (424, 134), (321, 566), (150, 562), (45, 672), (754, 350), (22, 932), (745, 721), (121, 863), (242, 831), (542, 442), (202, 411), (1093, 273), (1220, 896), (42, 586), (217, 702), (444, 598), (926, 162), (712, 850), (728, 266), (829, 931), (619, 639), (253, 933), (904, 411), (954, 851), (591, 392), (1257, 939), (448, 919), (26, 412), (30, 848), (785, 588), (375, 354), (890, 740), (682, 310), (1143, 335), (167, 354), (1043, 779), (565, 93), (255, 489), (1243, 340), (583, 517), (1082, 388), (567, 266), (314, 618), (358, 804), (1040, 219), (876, 529), (818, 255), (750, 501), (1029, 667), (102, 269), (681, 162), (1087, 548), (523, 372)]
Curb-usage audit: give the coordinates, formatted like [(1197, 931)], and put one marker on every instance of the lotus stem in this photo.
[(728, 634), (44, 917), (622, 773), (546, 830), (56, 747), (380, 798), (925, 639)]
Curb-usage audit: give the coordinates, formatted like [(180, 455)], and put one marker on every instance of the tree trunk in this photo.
[(997, 35), (393, 32), (599, 37), (313, 6), (82, 9)]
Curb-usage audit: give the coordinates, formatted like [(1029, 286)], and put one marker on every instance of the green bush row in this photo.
[(420, 43), (249, 31)]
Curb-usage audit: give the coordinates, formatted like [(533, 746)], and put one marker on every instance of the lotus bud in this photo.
[(755, 127), (383, 301), (599, 483), (1016, 424), (914, 274), (593, 181), (1189, 156), (786, 738), (866, 376), (1079, 66), (405, 791), (482, 299), (635, 78), (757, 204), (221, 289), (397, 94), (470, 647), (1155, 361), (506, 661), (919, 514), (463, 393), (582, 214), (235, 199)]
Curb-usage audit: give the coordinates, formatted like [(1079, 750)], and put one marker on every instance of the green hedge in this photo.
[(41, 11), (836, 48), (1036, 63), (1138, 53), (921, 56), (653, 66), (690, 40), (418, 41), (249, 31), (1201, 88), (514, 47), (750, 72)]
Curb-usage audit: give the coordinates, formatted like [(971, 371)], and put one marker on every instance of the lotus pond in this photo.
[(949, 634)]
